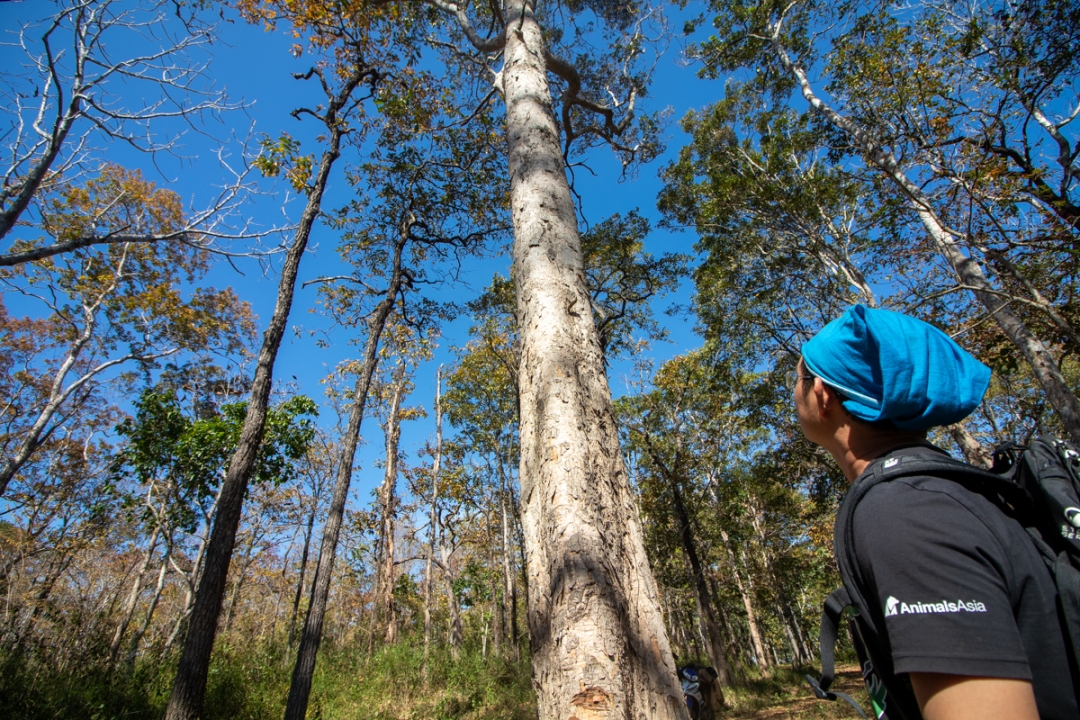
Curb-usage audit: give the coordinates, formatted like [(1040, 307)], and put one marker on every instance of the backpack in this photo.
[(697, 686), (1039, 485)]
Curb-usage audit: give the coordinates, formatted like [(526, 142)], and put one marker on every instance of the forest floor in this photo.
[(785, 695), (250, 682)]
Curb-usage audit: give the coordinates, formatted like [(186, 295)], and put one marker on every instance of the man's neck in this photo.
[(855, 446)]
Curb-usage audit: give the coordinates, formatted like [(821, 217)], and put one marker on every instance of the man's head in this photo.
[(874, 379), (889, 366)]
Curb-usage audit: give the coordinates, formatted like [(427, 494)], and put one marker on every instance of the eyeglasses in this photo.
[(792, 377)]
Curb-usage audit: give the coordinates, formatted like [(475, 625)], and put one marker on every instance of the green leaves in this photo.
[(186, 457), (623, 280), (283, 154)]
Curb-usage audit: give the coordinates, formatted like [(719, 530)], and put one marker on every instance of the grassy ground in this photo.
[(785, 695), (251, 683)]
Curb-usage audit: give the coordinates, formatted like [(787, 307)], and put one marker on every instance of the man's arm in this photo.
[(959, 697)]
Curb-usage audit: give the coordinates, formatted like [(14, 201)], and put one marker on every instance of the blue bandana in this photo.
[(893, 367)]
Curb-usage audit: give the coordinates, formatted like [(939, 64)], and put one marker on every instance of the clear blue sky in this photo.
[(255, 67)]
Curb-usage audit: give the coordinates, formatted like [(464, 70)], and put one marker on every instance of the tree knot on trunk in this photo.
[(592, 703)]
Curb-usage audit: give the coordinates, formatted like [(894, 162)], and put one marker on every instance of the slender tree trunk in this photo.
[(234, 596), (733, 648), (702, 597), (598, 639), (498, 607), (809, 647), (388, 496), (303, 570), (189, 690), (748, 605), (456, 633), (136, 639), (509, 585), (791, 625), (133, 598), (714, 641), (429, 589), (304, 670), (966, 267)]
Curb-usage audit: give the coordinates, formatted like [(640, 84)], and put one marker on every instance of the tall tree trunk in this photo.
[(498, 606), (133, 598), (303, 570), (304, 670), (189, 690), (702, 597), (598, 639), (509, 584), (713, 640), (456, 630), (966, 267), (746, 593), (429, 589), (733, 648), (384, 600), (234, 596), (133, 646)]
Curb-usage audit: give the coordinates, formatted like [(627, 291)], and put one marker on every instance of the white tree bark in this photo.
[(966, 267), (599, 647)]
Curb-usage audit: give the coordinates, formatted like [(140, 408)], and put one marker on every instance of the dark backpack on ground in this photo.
[(1039, 485)]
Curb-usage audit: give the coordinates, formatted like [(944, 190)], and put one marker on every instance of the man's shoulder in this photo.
[(917, 489), (908, 515)]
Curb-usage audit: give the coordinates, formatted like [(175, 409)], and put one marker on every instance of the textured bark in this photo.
[(967, 268), (310, 639), (189, 690), (973, 451), (599, 647)]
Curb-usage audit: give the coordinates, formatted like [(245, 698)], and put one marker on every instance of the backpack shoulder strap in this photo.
[(998, 489), (833, 610), (835, 605)]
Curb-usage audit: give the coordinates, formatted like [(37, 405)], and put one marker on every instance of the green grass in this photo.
[(784, 693), (252, 683)]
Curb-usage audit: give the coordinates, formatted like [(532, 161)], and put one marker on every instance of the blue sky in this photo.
[(255, 67)]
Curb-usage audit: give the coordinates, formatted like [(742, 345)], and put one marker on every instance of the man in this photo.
[(869, 386)]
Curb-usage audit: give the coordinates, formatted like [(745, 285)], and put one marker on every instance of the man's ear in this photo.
[(828, 399)]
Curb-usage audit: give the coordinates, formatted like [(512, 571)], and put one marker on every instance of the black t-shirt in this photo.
[(962, 589)]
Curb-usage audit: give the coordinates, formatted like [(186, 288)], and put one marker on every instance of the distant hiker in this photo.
[(963, 608)]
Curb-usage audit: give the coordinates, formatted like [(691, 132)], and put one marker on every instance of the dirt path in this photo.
[(799, 703)]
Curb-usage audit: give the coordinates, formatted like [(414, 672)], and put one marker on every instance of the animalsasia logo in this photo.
[(895, 607)]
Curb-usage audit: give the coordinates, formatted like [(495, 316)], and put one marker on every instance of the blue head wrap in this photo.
[(893, 367)]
